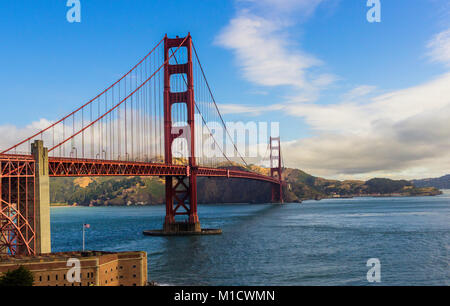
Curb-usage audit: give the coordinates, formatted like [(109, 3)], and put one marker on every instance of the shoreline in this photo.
[(392, 195)]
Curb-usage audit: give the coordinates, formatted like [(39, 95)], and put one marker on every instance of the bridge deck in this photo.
[(75, 167)]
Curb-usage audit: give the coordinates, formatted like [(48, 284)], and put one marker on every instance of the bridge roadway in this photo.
[(11, 165)]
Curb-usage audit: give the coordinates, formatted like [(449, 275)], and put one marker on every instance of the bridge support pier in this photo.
[(180, 195), (277, 193), (42, 198)]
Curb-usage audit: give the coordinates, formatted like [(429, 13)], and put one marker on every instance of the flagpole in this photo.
[(83, 237)]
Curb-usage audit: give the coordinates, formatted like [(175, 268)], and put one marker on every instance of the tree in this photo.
[(383, 185), (21, 277)]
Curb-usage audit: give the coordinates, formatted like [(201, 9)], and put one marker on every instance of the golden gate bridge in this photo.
[(129, 129)]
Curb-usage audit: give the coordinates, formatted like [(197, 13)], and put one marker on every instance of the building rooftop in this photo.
[(59, 255)]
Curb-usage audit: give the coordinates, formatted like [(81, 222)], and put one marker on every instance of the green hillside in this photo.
[(299, 186)]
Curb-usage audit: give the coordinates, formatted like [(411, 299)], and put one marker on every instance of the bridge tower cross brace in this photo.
[(181, 191), (276, 169)]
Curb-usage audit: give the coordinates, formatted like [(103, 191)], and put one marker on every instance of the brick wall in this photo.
[(97, 268)]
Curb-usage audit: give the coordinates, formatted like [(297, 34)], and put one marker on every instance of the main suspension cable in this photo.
[(215, 104)]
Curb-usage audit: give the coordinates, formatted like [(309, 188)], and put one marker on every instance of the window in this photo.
[(134, 266), (48, 277), (56, 277), (134, 275), (40, 278)]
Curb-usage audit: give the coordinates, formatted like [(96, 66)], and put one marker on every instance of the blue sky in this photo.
[(317, 66)]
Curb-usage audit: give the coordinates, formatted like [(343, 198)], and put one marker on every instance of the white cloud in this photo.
[(440, 47), (265, 52), (245, 109), (358, 92), (352, 117), (263, 55), (301, 7), (389, 135), (11, 134)]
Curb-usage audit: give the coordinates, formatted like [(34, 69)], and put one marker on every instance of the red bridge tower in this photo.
[(181, 191), (276, 169)]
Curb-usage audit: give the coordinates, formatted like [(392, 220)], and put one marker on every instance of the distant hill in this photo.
[(304, 186), (440, 182), (119, 191)]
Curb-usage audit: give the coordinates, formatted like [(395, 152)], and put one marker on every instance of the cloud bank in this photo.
[(402, 134), (399, 134)]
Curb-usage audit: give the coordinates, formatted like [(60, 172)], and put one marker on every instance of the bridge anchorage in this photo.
[(129, 129)]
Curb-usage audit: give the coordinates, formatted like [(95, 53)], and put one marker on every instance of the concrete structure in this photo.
[(42, 198), (96, 268), (176, 232)]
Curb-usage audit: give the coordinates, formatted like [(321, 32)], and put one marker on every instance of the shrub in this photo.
[(21, 277)]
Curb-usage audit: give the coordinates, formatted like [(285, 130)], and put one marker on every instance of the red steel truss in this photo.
[(17, 215), (63, 167), (72, 167)]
